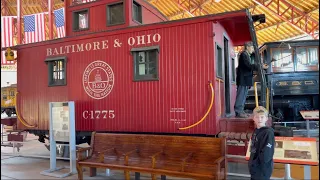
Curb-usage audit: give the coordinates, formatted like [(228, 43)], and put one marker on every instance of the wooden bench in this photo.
[(178, 156)]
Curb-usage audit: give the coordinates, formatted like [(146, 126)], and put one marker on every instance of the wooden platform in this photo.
[(9, 121)]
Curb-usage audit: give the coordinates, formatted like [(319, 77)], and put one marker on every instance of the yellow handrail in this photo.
[(219, 80), (19, 117), (267, 103), (209, 109), (256, 96), (256, 93)]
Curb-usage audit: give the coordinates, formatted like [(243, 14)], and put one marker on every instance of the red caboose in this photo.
[(128, 69)]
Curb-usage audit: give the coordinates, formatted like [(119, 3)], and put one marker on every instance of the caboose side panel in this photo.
[(152, 78), (34, 93), (177, 98)]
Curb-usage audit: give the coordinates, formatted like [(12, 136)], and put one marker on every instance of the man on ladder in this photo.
[(245, 78)]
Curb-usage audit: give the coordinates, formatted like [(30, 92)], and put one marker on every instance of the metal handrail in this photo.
[(256, 96)]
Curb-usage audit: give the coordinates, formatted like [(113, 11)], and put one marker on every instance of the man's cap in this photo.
[(247, 44), (260, 110)]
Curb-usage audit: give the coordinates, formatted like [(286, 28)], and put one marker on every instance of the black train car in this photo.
[(293, 78)]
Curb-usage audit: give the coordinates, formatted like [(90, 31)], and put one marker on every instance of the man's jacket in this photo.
[(245, 70)]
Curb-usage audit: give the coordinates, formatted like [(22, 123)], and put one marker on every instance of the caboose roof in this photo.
[(235, 23)]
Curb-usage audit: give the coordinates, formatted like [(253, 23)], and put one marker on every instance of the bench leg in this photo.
[(137, 176), (127, 175), (80, 172), (93, 171), (163, 177), (153, 176)]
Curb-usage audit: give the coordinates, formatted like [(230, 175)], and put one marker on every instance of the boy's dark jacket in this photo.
[(261, 153)]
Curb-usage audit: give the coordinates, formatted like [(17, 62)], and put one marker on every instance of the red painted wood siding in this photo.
[(186, 64), (98, 16)]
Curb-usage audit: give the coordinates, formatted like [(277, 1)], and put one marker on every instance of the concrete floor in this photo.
[(18, 166), (30, 168), (15, 167)]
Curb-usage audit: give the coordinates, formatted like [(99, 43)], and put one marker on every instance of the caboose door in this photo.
[(227, 82)]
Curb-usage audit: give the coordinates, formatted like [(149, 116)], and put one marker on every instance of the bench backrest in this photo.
[(204, 149)]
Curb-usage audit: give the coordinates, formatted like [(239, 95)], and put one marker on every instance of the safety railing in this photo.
[(219, 90), (256, 96)]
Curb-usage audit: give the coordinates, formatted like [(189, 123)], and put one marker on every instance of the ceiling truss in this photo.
[(298, 19)]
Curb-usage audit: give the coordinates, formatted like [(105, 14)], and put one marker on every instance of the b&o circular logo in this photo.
[(98, 79)]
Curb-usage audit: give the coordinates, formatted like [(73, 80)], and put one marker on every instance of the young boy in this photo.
[(262, 147)]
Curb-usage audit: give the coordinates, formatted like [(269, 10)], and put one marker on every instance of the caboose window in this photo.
[(115, 14), (57, 71), (136, 12), (219, 64), (146, 63), (81, 20)]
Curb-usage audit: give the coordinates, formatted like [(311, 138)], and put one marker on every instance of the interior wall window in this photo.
[(137, 12), (56, 71), (115, 14), (4, 96), (146, 63), (11, 93), (307, 59), (233, 66), (219, 64), (284, 60), (81, 20)]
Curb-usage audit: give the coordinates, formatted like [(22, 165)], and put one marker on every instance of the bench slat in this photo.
[(180, 156)]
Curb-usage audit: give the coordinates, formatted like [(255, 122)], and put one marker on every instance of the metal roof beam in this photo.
[(185, 9), (301, 24), (29, 3), (5, 10), (192, 9), (280, 23), (199, 7)]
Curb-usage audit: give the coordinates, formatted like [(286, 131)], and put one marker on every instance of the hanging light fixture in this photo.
[(217, 1)]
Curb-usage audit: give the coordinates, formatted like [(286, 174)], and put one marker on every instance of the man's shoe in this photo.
[(248, 115), (242, 115)]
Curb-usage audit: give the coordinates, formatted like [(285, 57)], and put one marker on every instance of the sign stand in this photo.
[(294, 150), (309, 115), (287, 172), (62, 128)]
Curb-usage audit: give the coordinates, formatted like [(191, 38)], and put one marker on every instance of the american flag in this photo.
[(59, 21), (6, 37), (34, 28), (83, 21)]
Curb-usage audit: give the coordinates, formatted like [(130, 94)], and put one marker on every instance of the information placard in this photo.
[(62, 129), (310, 115), (293, 150), (60, 121)]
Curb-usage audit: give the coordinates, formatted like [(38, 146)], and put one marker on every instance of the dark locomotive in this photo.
[(292, 78)]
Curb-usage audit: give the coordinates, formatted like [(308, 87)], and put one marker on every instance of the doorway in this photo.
[(227, 77)]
